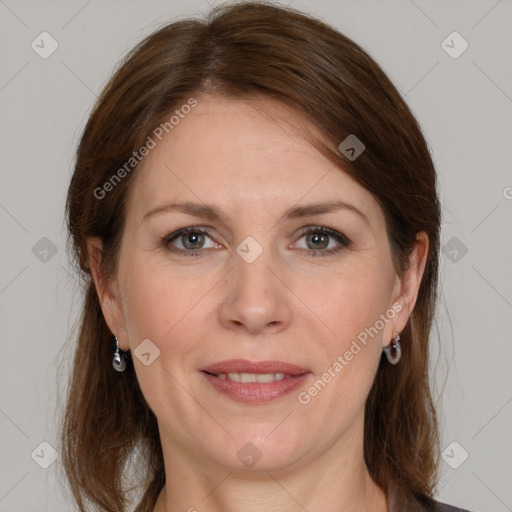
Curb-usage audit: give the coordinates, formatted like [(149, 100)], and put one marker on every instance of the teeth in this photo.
[(252, 377)]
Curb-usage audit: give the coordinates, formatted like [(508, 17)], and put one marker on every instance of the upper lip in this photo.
[(245, 366)]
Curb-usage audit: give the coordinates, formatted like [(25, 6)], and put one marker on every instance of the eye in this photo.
[(324, 241), (320, 241), (189, 241)]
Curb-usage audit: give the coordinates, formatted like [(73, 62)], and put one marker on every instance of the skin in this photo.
[(286, 305)]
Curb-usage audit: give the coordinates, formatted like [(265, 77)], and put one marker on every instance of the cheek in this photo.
[(351, 303), (153, 300), (350, 357), (159, 312), (160, 306), (147, 307)]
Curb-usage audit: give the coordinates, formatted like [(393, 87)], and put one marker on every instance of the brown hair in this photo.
[(241, 50)]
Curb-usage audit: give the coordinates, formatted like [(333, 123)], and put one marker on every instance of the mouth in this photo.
[(254, 382)]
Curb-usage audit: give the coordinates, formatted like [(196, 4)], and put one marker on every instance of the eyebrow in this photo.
[(213, 213)]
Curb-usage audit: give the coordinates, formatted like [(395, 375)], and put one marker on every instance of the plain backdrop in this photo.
[(463, 102)]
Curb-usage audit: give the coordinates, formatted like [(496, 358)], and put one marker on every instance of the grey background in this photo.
[(464, 106)]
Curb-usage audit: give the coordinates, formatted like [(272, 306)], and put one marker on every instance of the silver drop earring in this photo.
[(393, 351), (119, 357)]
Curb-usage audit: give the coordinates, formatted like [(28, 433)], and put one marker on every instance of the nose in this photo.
[(255, 299)]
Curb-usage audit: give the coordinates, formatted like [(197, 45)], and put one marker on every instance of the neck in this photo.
[(269, 493), (336, 480)]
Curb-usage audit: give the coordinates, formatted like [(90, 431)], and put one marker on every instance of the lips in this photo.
[(244, 366), (254, 382)]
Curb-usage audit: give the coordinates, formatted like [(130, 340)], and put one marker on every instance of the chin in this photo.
[(268, 451)]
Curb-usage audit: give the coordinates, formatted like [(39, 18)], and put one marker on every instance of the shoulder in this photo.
[(403, 502), (444, 507)]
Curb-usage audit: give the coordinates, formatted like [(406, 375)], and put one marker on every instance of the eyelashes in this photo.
[(324, 233), (191, 237), (183, 234)]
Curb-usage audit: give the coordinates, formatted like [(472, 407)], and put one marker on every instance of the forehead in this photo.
[(242, 154)]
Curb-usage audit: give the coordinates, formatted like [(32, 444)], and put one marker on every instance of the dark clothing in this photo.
[(409, 504), (443, 507)]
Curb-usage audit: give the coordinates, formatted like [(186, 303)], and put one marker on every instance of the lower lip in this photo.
[(255, 392)]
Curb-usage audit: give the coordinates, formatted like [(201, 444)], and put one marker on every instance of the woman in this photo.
[(255, 216)]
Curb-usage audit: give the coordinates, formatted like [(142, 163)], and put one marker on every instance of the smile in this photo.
[(254, 382)]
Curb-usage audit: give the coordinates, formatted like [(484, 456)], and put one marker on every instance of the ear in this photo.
[(406, 288), (108, 293)]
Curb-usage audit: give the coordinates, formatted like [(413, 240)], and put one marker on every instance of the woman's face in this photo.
[(270, 279)]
